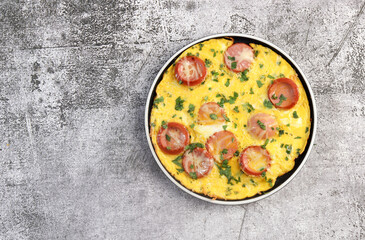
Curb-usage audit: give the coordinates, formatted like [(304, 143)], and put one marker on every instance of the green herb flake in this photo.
[(157, 101), (164, 124), (168, 138), (265, 144), (261, 65), (281, 75), (226, 118), (201, 45), (281, 132), (251, 91), (179, 104), (261, 124), (259, 83), (192, 166), (224, 127), (191, 110), (236, 153), (306, 129), (243, 76), (231, 58), (227, 82), (282, 98), (233, 65), (208, 63), (278, 63), (193, 175), (177, 161), (253, 182), (173, 116), (248, 107), (153, 125), (236, 109), (269, 76), (288, 148), (192, 146), (274, 96), (295, 114), (213, 116), (298, 137), (256, 53), (268, 104)]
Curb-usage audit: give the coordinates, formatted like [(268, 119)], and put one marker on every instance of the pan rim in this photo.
[(311, 139)]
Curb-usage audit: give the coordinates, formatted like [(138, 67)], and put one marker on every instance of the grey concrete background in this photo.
[(74, 77)]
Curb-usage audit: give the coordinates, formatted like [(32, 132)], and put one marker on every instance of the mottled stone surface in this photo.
[(74, 162)]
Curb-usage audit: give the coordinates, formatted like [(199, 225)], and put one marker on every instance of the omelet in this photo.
[(242, 95)]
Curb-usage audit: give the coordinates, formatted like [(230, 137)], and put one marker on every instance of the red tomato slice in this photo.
[(283, 87), (255, 160), (222, 145), (211, 113), (239, 57), (190, 70), (262, 125), (199, 161), (173, 139)]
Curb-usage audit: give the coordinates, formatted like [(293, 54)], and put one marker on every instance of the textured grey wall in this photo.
[(74, 77)]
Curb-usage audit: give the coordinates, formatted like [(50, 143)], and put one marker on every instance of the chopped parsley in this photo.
[(157, 101), (225, 170), (243, 77), (191, 110), (256, 53), (192, 146), (267, 104), (265, 144), (192, 166), (288, 148), (231, 58), (192, 125), (251, 91), (261, 65), (236, 153), (281, 132), (295, 114), (281, 75), (298, 137), (259, 83), (201, 45), (278, 63), (306, 129), (224, 127), (177, 161), (282, 98), (173, 115), (274, 96), (193, 175), (208, 63), (153, 125), (248, 107), (269, 76), (168, 138), (179, 104), (233, 65), (164, 124), (227, 82), (261, 124), (213, 116), (236, 109), (226, 118), (253, 182)]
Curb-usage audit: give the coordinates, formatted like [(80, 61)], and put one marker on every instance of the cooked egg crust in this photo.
[(284, 148)]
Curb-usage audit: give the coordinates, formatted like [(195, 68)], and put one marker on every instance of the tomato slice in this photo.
[(210, 113), (173, 139), (239, 57), (255, 160), (222, 145), (262, 125), (197, 163), (190, 70), (283, 93)]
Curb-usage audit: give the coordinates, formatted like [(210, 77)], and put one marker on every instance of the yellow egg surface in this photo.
[(284, 147)]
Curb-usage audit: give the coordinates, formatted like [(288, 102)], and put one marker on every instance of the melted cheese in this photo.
[(267, 64)]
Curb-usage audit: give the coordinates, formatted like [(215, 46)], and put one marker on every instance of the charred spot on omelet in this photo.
[(241, 95)]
